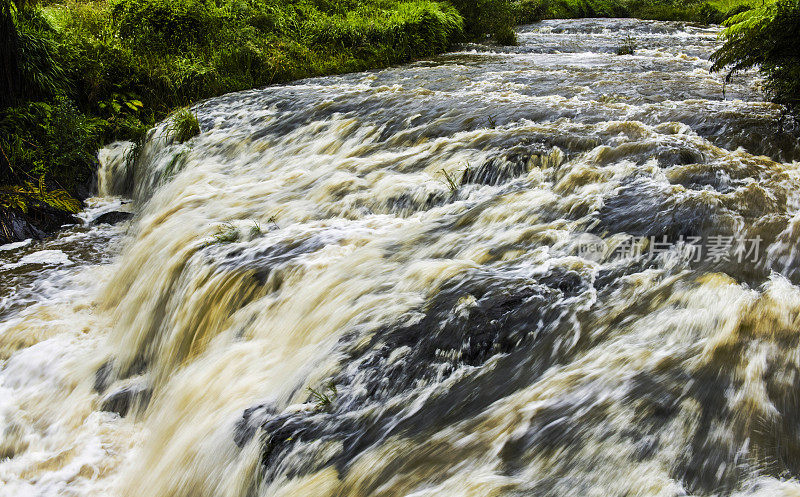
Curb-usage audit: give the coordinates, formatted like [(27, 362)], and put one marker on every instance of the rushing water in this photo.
[(547, 270)]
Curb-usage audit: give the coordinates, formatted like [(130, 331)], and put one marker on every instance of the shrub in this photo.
[(166, 25), (628, 47), (49, 138), (488, 18), (422, 29), (505, 36)]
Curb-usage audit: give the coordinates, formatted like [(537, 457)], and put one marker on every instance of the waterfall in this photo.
[(543, 270)]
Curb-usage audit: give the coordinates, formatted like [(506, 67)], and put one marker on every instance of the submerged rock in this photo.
[(113, 217), (121, 401)]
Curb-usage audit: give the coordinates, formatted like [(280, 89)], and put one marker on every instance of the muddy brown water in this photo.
[(545, 270)]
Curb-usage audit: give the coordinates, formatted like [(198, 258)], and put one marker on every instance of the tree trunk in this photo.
[(9, 69)]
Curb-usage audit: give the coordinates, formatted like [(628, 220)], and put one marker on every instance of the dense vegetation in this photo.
[(709, 12), (76, 74)]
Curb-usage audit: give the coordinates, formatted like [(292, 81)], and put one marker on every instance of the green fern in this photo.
[(765, 38), (30, 195)]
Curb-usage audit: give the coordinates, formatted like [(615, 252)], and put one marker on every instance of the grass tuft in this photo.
[(184, 125), (226, 233), (450, 180), (323, 399), (255, 230)]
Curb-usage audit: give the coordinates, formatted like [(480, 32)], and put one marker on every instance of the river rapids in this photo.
[(544, 270)]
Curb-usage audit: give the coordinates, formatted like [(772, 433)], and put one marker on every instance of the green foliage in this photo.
[(119, 102), (168, 53), (166, 26), (767, 38), (183, 125), (92, 72), (48, 138), (702, 11), (36, 194), (10, 78), (40, 62), (534, 10), (493, 19)]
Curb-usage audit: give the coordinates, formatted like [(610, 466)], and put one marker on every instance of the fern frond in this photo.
[(23, 197)]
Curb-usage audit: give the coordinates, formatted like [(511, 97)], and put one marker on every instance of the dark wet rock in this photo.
[(102, 377), (704, 179), (644, 209), (679, 156), (484, 314), (113, 217), (121, 401), (554, 430), (407, 203), (496, 171), (284, 432), (37, 223), (107, 374), (252, 418), (507, 314), (265, 260), (511, 165), (12, 441)]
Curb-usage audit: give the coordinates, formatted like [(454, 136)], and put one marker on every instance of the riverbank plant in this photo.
[(767, 38), (36, 195)]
